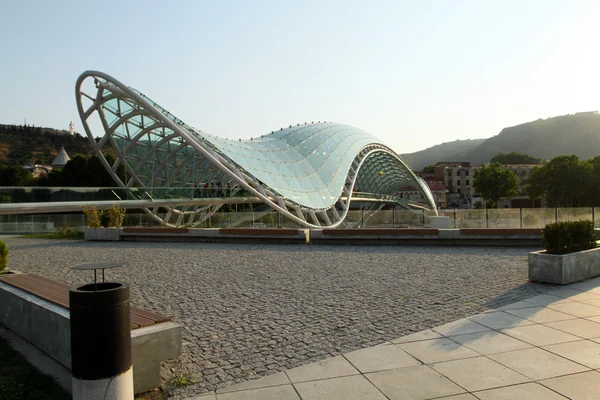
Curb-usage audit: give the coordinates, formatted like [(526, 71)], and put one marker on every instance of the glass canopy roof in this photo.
[(311, 165)]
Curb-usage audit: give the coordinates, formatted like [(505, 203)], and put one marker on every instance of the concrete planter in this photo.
[(564, 268), (104, 234)]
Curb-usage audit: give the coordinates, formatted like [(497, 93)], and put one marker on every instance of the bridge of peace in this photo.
[(312, 322)]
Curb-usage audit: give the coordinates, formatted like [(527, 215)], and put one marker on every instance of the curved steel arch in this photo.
[(307, 172)]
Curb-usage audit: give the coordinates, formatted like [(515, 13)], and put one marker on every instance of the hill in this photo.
[(27, 144), (577, 134), (449, 151)]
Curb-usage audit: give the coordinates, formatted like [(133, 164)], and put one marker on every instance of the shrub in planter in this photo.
[(569, 237), (115, 216), (93, 216), (3, 255)]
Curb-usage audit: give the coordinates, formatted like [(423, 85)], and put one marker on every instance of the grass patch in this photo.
[(64, 232), (181, 380), (19, 380)]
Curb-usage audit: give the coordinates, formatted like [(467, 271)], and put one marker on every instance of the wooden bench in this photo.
[(501, 231), (157, 230), (58, 293), (259, 231), (380, 232), (36, 308)]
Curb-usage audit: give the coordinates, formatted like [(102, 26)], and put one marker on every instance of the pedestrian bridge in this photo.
[(40, 200)]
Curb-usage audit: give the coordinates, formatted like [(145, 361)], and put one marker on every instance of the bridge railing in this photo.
[(459, 218), (65, 194)]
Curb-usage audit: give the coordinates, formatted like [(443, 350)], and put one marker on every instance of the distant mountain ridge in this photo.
[(448, 151), (577, 134)]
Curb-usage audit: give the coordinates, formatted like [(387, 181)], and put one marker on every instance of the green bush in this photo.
[(569, 237), (3, 255)]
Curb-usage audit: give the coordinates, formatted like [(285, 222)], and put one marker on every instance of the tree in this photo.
[(515, 158), (565, 181), (14, 175), (428, 169), (493, 182)]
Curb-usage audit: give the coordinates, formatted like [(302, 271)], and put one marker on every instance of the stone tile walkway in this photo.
[(543, 348)]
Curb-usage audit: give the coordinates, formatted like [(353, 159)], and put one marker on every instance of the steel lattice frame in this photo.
[(157, 149)]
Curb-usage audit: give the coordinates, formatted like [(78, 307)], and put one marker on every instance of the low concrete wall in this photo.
[(564, 268), (408, 236), (428, 236), (47, 326), (223, 235)]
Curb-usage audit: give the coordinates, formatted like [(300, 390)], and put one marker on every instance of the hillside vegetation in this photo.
[(449, 151), (577, 134), (20, 145)]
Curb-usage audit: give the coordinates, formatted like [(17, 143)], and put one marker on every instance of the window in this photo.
[(467, 174), (458, 191), (449, 172), (458, 182), (467, 182)]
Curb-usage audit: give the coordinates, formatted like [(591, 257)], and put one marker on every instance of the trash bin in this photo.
[(101, 341)]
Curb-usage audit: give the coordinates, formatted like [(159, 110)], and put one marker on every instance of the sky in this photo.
[(412, 73)]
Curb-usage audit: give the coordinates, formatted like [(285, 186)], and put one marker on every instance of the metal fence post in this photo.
[(556, 214), (487, 225), (521, 216)]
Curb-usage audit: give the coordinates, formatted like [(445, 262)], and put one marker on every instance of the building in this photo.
[(308, 172), (61, 159), (458, 179), (437, 189), (523, 172)]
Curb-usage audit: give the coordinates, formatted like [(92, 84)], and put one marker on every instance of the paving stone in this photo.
[(277, 379), (346, 388), (380, 359), (575, 295), (584, 386), (466, 396), (537, 363), (437, 350), (540, 314), (500, 320), (416, 337), (479, 373), (460, 327), (415, 383), (539, 335), (284, 392), (528, 391), (584, 352), (329, 368), (256, 309), (576, 309), (580, 327), (547, 299), (490, 342), (516, 306)]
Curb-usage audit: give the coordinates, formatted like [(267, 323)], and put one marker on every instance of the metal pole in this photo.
[(487, 225), (555, 214), (521, 216)]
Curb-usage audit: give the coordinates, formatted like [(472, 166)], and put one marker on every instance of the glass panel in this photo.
[(380, 219), (538, 217), (504, 218), (574, 214), (471, 218)]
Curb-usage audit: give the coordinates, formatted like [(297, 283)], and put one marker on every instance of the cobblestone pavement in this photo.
[(251, 310)]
